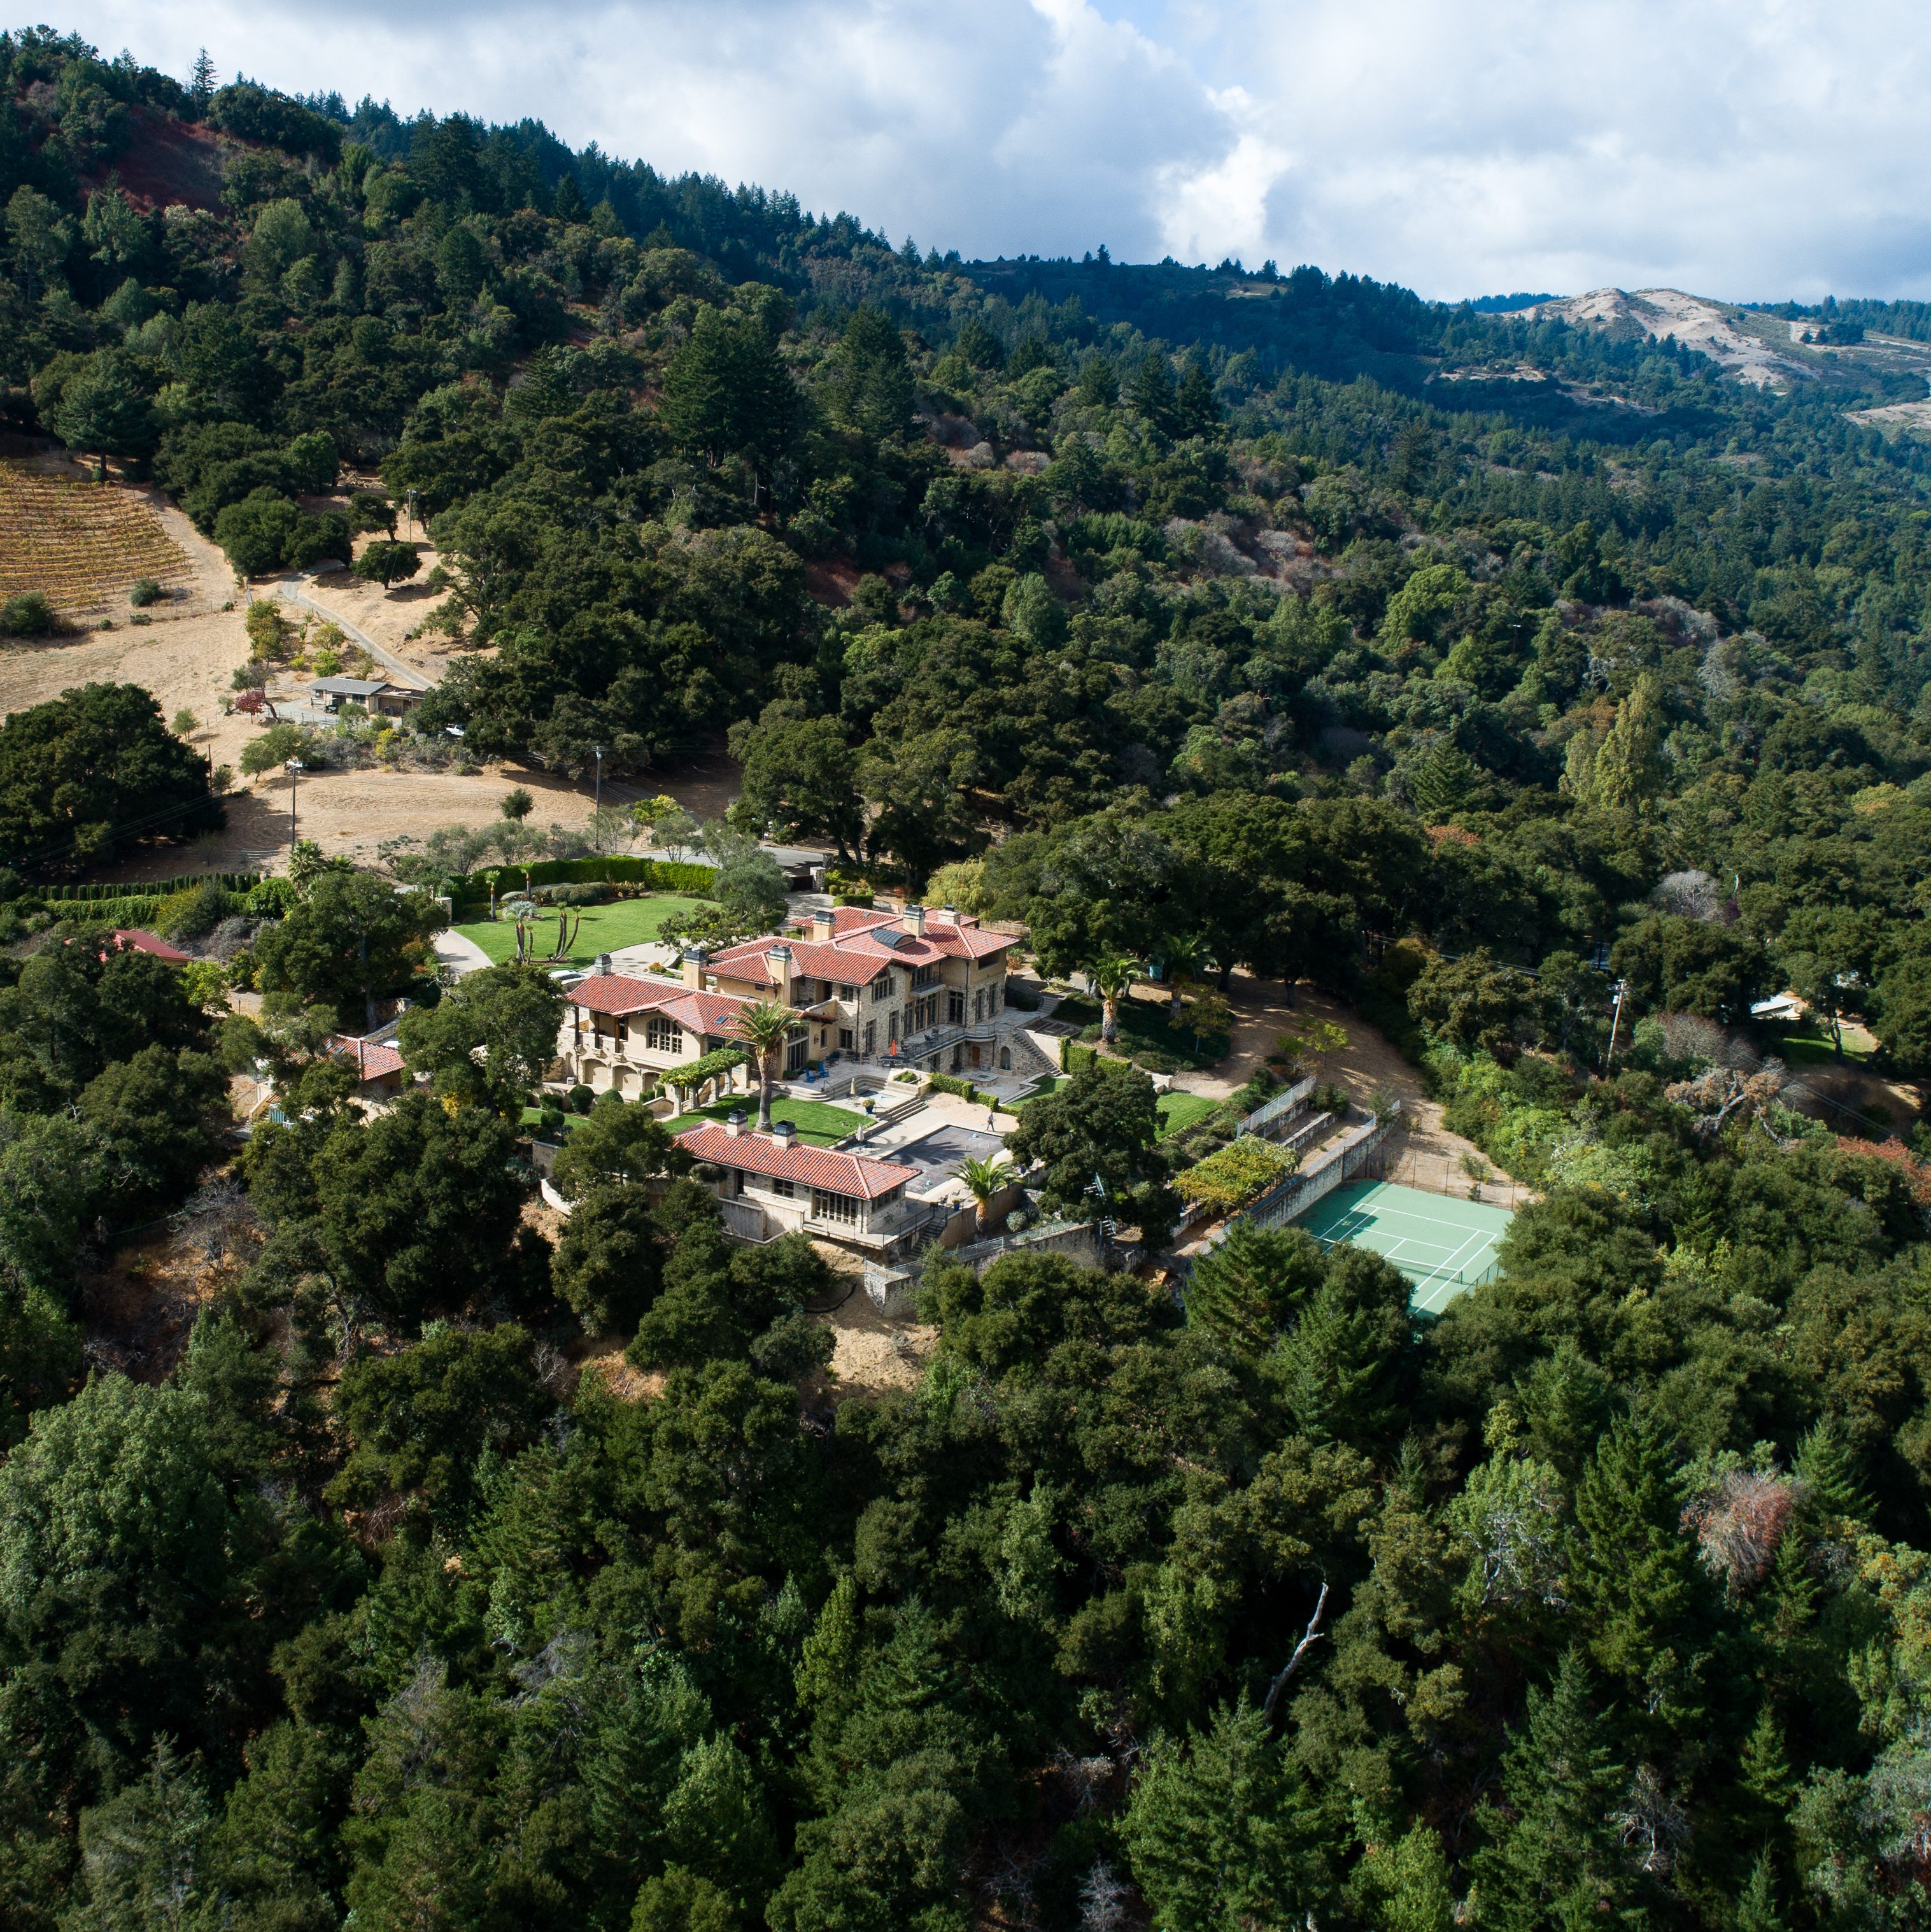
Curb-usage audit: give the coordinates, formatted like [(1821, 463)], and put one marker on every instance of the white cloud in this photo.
[(1743, 147)]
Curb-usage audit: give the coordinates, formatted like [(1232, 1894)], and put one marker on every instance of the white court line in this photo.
[(1454, 1258)]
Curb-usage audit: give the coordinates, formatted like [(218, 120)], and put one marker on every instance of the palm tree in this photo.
[(1179, 960), (983, 1180), (1110, 975), (764, 1027)]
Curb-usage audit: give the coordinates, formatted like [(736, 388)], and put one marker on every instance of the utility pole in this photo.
[(295, 768), (1615, 1024)]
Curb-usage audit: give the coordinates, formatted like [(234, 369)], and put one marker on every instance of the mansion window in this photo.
[(834, 1206), (881, 989), (845, 1039), (955, 1007), (664, 1036), (786, 1190)]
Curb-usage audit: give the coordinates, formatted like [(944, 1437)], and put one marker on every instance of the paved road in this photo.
[(402, 671)]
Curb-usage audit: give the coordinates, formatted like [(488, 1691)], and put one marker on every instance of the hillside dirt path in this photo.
[(186, 658), (1430, 1156)]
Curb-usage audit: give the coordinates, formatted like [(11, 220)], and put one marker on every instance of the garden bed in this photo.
[(1145, 1035)]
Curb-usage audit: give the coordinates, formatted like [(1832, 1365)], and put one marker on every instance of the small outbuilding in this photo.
[(387, 700)]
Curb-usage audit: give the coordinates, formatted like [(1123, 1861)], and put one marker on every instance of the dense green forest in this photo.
[(1463, 665)]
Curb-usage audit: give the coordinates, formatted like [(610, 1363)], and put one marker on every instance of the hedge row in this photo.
[(963, 1089), (158, 888), (123, 912), (662, 875)]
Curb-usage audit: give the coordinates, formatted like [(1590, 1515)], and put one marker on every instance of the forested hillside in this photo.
[(1464, 665)]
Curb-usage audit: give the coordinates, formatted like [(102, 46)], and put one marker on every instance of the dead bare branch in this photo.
[(1311, 1636)]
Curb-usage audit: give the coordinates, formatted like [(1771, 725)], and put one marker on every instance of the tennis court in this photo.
[(1445, 1246)]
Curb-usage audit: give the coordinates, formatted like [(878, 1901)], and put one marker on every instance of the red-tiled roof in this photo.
[(851, 1174), (971, 940), (147, 942), (617, 994), (373, 1058), (858, 953), (810, 960)]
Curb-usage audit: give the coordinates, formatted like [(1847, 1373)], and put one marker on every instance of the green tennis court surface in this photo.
[(1444, 1246)]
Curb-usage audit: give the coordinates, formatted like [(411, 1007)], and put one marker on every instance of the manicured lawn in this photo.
[(605, 928), (1143, 1029), (1179, 1111), (1047, 1083), (817, 1122), (1809, 1045)]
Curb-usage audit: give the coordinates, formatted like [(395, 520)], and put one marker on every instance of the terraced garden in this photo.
[(79, 544)]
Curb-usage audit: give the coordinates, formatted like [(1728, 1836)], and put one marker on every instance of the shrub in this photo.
[(387, 562), (270, 634), (28, 615), (193, 913), (146, 591), (582, 1099), (947, 1083), (275, 746), (1154, 1061)]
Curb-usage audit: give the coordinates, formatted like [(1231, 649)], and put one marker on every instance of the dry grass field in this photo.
[(82, 543)]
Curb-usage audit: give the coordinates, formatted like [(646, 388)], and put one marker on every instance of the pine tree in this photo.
[(141, 1851), (1634, 1580), (1410, 1883), (1826, 1467), (1152, 392), (202, 79), (1551, 1858), (1629, 769), (1767, 1787), (1221, 1836), (1757, 1909), (1247, 1288), (1195, 411), (877, 392)]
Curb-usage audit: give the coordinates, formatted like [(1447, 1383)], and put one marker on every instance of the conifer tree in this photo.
[(1635, 1582), (1549, 1856)]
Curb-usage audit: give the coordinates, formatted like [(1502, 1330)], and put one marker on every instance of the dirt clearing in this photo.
[(1427, 1155), (186, 657)]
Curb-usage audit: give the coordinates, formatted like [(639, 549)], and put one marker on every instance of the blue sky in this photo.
[(1746, 151)]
